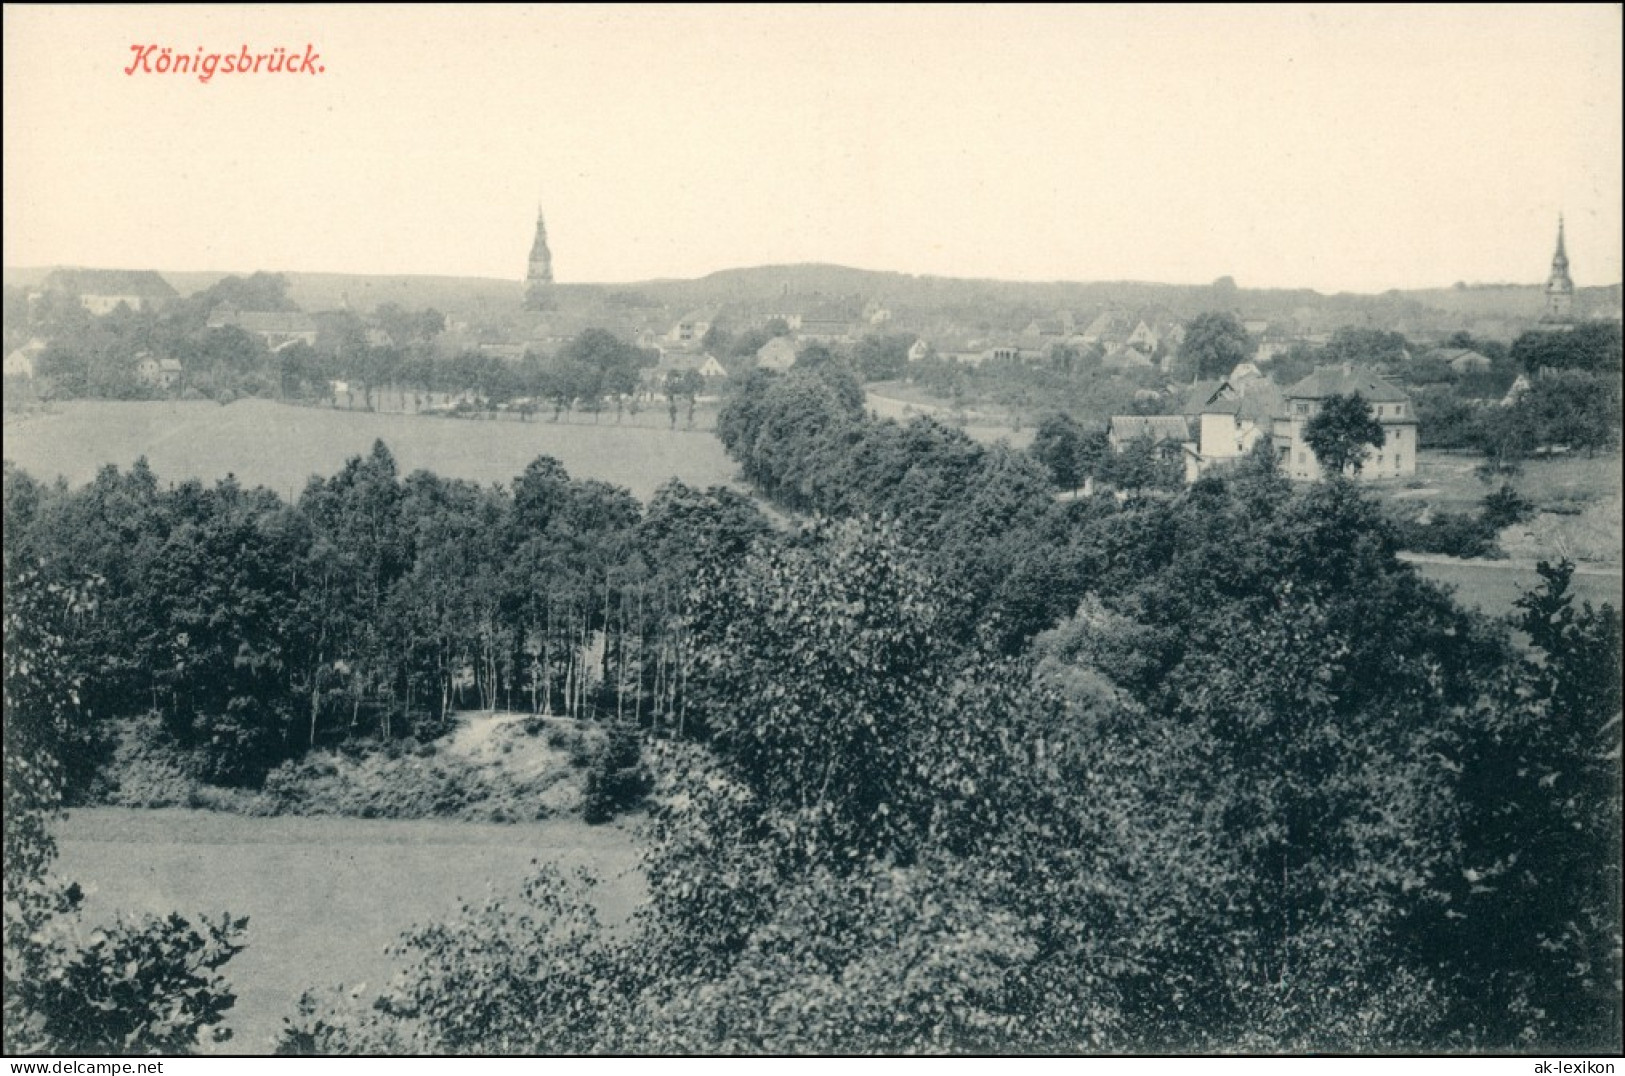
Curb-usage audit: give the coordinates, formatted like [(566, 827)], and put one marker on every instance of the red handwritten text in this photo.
[(162, 60)]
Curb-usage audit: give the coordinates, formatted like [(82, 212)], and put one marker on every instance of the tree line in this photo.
[(100, 356), (986, 513), (371, 607)]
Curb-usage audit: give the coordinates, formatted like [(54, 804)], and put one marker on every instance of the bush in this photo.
[(1505, 507), (141, 986), (617, 780), (135, 987), (1449, 534)]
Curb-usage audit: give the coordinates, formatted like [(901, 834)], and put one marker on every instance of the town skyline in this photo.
[(1357, 151)]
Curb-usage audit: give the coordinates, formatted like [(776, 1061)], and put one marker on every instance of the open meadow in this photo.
[(902, 401), (279, 446), (324, 896), (1493, 586), (1577, 502)]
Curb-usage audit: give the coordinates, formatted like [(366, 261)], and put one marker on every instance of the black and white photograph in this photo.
[(812, 531)]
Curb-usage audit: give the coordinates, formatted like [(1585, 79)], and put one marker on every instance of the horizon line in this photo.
[(519, 282)]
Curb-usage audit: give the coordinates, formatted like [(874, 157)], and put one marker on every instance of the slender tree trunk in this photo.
[(583, 682), (547, 662), (315, 701), (637, 697), (604, 660), (569, 672)]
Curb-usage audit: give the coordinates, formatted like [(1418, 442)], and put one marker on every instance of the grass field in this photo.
[(1577, 499), (269, 444), (1491, 587), (902, 401), (324, 896)]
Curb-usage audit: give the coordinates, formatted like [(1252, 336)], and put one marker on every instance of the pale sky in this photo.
[(1301, 147)]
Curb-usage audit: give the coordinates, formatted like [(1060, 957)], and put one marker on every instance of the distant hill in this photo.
[(761, 287), (330, 291)]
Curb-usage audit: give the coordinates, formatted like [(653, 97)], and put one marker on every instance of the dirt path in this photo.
[(1580, 568)]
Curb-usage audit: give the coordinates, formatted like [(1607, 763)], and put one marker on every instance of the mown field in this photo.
[(1492, 587), (269, 444), (324, 896), (1577, 499), (902, 401)]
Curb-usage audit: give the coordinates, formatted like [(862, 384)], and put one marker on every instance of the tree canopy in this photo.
[(1341, 432), (1215, 343)]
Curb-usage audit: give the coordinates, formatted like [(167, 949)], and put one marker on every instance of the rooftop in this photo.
[(1157, 427), (142, 283), (1345, 381)]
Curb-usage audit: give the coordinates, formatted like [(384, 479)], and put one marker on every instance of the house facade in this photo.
[(1229, 416), (690, 330), (1391, 407), (159, 373), (24, 361), (101, 291)]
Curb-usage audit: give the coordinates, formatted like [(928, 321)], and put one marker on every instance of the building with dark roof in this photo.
[(1230, 416), (278, 328), (1390, 406), (1125, 429), (102, 290)]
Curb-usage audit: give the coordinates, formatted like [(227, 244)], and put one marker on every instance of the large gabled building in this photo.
[(1391, 407), (101, 291)]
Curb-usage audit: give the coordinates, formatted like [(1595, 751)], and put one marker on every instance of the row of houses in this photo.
[(1226, 419), (1125, 341), (23, 364)]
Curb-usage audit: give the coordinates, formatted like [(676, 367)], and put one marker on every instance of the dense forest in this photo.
[(947, 764), (370, 608)]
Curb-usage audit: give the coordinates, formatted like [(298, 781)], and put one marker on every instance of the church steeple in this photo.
[(540, 272), (1559, 286)]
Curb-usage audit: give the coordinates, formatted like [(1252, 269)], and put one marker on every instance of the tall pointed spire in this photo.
[(540, 272), (541, 259), (1559, 286)]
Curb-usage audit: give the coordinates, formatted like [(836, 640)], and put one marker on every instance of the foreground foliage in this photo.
[(1266, 791), (134, 986)]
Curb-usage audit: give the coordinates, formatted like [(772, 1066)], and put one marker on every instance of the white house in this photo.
[(24, 361), (1392, 408), (1230, 416)]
